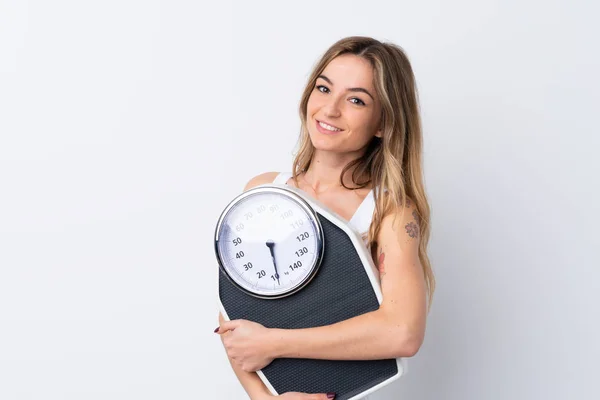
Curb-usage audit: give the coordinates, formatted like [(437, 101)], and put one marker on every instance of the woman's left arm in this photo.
[(396, 329)]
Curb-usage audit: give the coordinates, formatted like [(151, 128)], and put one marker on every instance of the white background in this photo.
[(126, 126)]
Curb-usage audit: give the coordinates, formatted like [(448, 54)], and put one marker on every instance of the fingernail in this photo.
[(331, 395), (217, 330)]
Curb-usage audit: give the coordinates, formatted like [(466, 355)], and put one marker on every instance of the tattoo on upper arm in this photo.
[(416, 217), (412, 228)]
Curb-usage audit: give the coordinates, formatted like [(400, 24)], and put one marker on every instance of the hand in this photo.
[(247, 343)]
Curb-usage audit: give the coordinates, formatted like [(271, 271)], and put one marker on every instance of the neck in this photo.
[(325, 170)]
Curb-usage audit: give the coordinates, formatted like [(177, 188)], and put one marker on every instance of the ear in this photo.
[(379, 133)]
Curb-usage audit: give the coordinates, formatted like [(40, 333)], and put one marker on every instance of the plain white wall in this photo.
[(126, 126)]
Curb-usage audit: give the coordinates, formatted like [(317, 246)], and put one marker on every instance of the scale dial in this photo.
[(269, 242)]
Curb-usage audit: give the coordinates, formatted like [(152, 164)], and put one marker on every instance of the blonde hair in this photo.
[(393, 162)]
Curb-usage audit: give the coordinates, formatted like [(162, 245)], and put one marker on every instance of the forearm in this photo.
[(251, 383), (370, 336)]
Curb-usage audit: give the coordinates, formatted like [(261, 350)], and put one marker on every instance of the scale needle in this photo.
[(270, 244)]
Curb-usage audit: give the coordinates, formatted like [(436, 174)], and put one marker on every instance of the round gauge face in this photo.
[(269, 242)]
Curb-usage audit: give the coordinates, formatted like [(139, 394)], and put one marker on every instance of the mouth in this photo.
[(327, 128)]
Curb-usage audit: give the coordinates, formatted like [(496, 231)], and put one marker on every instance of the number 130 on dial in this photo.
[(269, 242)]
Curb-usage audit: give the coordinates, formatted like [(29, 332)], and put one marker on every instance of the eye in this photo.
[(319, 87), (360, 102)]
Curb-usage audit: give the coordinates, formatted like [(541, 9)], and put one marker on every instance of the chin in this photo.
[(322, 142), (330, 149)]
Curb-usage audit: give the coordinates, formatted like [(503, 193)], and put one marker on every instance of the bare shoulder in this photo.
[(261, 179)]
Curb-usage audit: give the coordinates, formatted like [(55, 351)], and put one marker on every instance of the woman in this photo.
[(360, 149)]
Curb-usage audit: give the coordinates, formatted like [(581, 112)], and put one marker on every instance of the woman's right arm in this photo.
[(256, 389), (249, 380)]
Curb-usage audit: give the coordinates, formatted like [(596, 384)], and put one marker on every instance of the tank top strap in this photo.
[(363, 216), (282, 178), (361, 220)]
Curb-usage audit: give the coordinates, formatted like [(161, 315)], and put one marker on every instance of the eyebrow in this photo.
[(357, 89)]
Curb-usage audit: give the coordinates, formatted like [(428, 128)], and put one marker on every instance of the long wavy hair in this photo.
[(392, 162)]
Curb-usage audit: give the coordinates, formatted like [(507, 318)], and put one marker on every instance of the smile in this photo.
[(330, 128)]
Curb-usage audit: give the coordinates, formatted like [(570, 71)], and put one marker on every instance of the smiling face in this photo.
[(343, 110)]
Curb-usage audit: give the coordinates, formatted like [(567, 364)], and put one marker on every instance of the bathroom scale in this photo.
[(287, 261)]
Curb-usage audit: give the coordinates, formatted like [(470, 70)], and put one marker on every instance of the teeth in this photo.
[(328, 127)]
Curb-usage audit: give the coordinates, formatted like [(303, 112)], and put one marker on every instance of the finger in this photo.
[(228, 326), (319, 396), (325, 396), (316, 396)]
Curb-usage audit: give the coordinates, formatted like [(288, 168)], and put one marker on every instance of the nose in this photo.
[(332, 108)]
